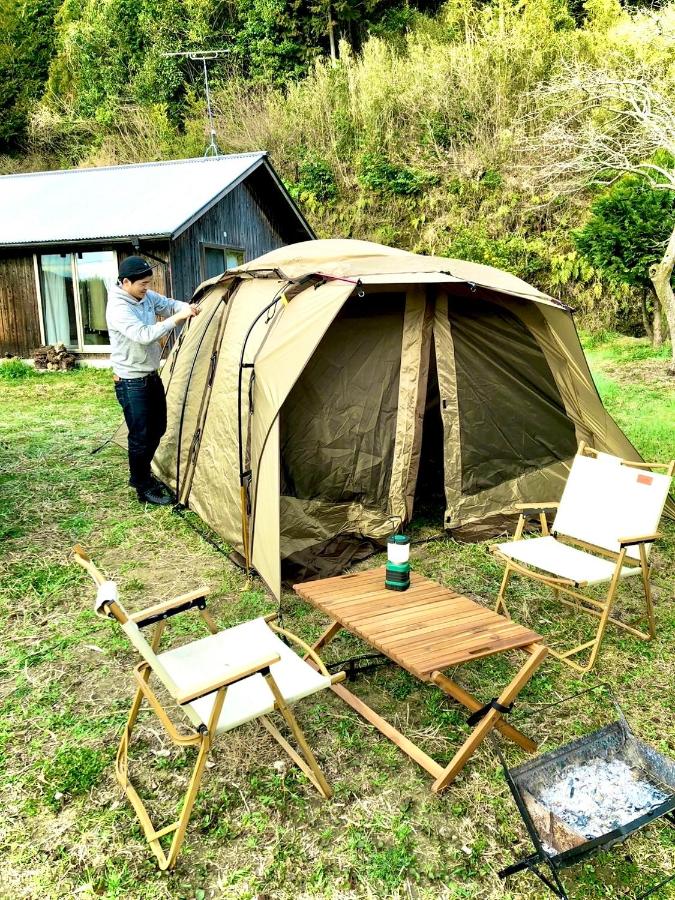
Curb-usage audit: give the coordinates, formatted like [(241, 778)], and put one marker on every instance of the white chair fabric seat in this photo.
[(563, 561), (605, 501), (211, 657)]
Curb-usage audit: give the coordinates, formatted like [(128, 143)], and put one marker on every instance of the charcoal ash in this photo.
[(596, 797)]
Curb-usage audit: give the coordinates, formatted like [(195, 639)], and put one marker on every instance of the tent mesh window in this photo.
[(511, 416), (338, 424)]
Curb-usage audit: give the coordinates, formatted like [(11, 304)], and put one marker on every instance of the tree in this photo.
[(594, 127), (26, 47), (110, 53), (623, 238)]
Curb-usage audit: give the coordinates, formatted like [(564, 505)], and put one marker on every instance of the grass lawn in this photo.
[(258, 832)]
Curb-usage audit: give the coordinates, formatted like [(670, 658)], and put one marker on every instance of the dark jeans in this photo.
[(144, 405)]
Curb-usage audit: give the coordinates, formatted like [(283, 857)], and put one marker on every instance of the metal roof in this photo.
[(157, 199)]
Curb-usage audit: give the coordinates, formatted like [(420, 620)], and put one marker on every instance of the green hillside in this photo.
[(436, 127)]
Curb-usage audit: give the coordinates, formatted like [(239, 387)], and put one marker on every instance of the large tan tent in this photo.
[(343, 382)]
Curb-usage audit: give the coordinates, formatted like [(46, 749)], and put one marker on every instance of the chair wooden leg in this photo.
[(585, 604), (605, 617), (644, 565), (315, 774), (606, 613), (500, 606), (178, 828), (488, 722), (189, 801)]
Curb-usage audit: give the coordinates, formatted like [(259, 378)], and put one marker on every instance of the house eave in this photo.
[(217, 198), (83, 242), (291, 202)]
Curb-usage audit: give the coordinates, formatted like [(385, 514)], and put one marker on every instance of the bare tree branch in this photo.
[(590, 127)]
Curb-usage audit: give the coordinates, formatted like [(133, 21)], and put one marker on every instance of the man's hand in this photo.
[(195, 309), (186, 313)]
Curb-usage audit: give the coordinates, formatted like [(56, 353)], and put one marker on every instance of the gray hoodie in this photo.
[(135, 332)]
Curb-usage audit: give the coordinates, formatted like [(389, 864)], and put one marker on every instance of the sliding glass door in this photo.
[(58, 299), (74, 292), (96, 274)]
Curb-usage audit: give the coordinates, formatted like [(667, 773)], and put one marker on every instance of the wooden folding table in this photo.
[(425, 630)]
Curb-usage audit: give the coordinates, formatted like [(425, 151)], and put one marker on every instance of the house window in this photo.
[(58, 299), (216, 259), (74, 291)]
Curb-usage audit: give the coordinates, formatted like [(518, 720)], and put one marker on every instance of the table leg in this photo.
[(458, 693), (388, 730), (327, 636), (369, 714), (491, 718)]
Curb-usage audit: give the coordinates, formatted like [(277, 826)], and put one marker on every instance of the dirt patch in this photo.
[(650, 372)]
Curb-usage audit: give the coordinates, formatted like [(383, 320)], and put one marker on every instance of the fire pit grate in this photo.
[(588, 796)]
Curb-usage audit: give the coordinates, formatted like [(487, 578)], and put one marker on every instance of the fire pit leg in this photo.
[(670, 817), (531, 863), (657, 887)]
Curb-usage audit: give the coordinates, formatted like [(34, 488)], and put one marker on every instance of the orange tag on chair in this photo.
[(645, 479)]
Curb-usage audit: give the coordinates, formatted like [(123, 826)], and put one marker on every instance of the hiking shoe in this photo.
[(155, 486), (154, 496), (159, 487)]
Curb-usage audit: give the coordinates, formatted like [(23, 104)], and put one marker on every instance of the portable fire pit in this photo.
[(588, 796)]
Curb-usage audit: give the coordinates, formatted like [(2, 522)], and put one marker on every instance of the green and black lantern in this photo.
[(397, 572)]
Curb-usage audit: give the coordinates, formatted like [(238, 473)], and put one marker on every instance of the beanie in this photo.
[(134, 268)]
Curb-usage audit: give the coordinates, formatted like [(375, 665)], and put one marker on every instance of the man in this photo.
[(135, 337)]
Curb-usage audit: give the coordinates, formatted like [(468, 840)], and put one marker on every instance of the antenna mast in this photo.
[(203, 56)]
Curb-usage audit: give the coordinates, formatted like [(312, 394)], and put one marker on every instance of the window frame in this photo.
[(82, 347), (224, 248)]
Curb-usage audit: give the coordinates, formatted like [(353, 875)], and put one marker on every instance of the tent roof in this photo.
[(367, 260), (158, 199)]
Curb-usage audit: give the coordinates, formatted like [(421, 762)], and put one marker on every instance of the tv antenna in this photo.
[(204, 56)]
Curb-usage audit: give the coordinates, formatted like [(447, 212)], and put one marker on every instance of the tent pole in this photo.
[(187, 391), (243, 499), (244, 476)]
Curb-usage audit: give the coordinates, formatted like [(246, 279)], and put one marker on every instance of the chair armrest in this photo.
[(524, 508), (250, 668), (83, 559), (641, 539), (296, 640), (168, 608)]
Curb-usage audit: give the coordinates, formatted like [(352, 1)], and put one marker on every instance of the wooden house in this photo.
[(63, 235)]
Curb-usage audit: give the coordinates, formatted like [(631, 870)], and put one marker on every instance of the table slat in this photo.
[(428, 627)]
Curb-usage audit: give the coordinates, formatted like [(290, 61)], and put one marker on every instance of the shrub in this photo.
[(450, 128), (591, 340), (15, 369), (315, 179), (378, 174), (491, 179), (515, 254), (628, 228)]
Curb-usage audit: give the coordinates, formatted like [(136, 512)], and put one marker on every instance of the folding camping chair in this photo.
[(605, 524), (219, 682)]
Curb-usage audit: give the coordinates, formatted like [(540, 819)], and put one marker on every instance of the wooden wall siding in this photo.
[(265, 192), (160, 281), (19, 315), (19, 318), (247, 225)]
